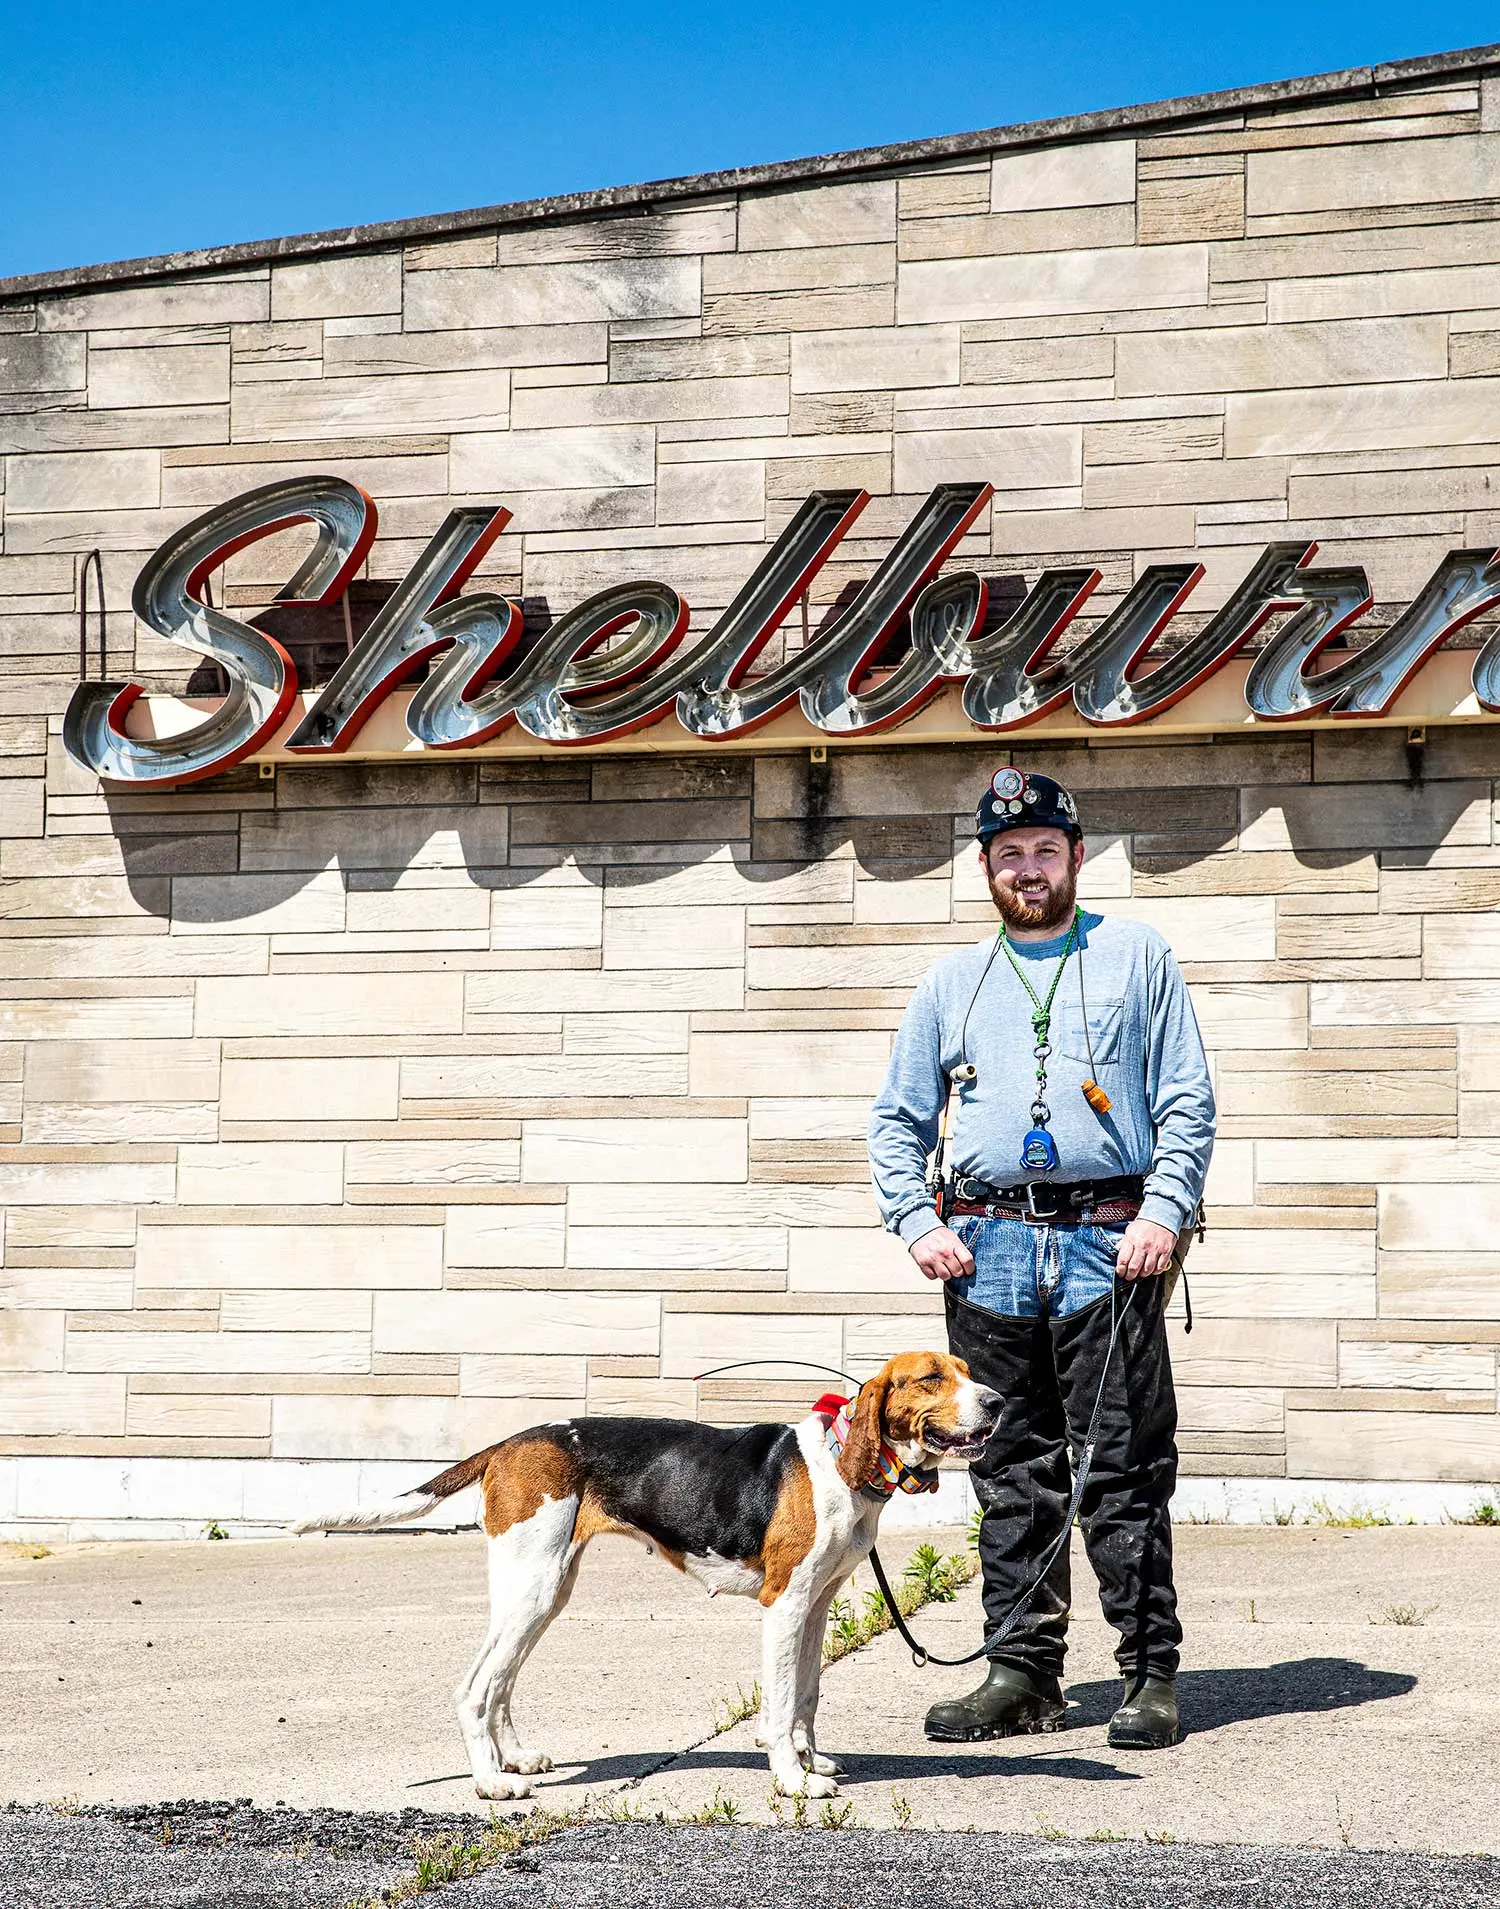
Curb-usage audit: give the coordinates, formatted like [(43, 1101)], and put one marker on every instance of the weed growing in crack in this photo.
[(1405, 1615), (1358, 1517), (900, 1811), (443, 1859), (929, 1578), (836, 1815), (721, 1809), (728, 1711)]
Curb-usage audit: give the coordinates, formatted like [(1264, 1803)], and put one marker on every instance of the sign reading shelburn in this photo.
[(624, 660)]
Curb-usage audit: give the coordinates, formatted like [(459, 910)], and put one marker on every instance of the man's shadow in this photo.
[(1213, 1698)]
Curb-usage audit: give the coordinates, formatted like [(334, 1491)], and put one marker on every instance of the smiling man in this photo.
[(1080, 1137)]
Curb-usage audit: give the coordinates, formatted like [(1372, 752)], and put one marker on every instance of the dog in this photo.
[(775, 1512)]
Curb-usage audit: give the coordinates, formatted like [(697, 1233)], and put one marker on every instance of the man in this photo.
[(1081, 1134)]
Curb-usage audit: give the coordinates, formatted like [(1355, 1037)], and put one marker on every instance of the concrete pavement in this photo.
[(1338, 1690)]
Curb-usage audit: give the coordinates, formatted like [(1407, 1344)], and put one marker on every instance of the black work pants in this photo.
[(1048, 1372)]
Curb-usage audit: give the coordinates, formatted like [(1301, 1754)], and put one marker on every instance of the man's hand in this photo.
[(1145, 1251), (941, 1254)]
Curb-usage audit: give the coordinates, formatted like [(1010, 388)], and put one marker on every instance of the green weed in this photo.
[(722, 1809), (213, 1529), (728, 1711), (900, 1810), (929, 1578), (439, 1860), (836, 1815), (1356, 1518), (1404, 1614), (1486, 1511)]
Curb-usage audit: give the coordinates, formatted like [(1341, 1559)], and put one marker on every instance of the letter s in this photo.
[(262, 677)]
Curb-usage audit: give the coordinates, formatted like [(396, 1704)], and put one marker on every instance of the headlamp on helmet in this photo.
[(1016, 799)]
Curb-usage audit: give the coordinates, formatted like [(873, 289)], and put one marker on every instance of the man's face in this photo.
[(1033, 877)]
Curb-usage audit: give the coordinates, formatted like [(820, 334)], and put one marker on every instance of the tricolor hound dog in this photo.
[(780, 1513)]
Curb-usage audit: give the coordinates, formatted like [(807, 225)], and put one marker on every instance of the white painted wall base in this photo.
[(67, 1500)]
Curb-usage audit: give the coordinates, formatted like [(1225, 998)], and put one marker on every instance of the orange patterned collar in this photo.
[(891, 1475)]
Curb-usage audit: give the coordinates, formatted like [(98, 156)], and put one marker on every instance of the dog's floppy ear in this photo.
[(856, 1464)]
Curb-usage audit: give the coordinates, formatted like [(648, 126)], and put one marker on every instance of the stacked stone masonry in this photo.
[(373, 1111)]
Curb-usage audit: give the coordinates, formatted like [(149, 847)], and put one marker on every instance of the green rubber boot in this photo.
[(1009, 1703), (1147, 1719)]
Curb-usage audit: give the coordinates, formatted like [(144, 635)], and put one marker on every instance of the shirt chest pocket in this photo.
[(1105, 1030)]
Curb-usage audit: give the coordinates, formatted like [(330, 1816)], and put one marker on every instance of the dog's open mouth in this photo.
[(955, 1444)]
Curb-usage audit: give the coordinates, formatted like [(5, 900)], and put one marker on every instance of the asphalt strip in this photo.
[(231, 1856)]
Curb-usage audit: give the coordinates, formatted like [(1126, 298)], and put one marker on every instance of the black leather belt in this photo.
[(1062, 1202)]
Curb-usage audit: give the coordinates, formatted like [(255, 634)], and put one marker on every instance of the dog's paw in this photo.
[(825, 1766), (805, 1783), (503, 1789), (526, 1763)]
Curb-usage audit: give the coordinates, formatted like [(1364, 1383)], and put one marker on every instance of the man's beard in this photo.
[(1043, 911)]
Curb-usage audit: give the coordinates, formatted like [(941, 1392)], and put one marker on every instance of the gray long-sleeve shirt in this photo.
[(1147, 1056)]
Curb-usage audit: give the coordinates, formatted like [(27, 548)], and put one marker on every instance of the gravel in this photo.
[(232, 1856)]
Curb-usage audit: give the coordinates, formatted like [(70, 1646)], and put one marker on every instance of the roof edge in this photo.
[(1351, 82)]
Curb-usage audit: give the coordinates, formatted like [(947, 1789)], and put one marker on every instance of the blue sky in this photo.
[(137, 128)]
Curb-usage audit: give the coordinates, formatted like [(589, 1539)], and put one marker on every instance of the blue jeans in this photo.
[(1032, 1272)]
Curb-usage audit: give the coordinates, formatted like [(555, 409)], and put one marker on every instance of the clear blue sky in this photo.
[(135, 127)]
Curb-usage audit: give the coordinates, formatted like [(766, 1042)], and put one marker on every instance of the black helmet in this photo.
[(1017, 800)]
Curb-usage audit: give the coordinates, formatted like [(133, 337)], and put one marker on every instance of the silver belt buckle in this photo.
[(1032, 1216)]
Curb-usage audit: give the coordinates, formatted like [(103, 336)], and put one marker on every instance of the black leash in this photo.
[(921, 1656)]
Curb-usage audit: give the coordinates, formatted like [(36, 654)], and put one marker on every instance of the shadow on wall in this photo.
[(1326, 801)]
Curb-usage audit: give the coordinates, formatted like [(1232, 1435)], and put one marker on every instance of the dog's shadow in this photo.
[(1210, 1699)]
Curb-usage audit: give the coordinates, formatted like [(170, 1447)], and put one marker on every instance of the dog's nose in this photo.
[(989, 1402)]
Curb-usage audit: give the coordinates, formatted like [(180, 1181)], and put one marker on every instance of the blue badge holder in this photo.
[(1039, 1151)]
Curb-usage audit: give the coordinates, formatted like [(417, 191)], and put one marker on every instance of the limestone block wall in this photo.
[(369, 1112)]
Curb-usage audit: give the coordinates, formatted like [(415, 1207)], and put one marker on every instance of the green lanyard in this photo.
[(1041, 1019)]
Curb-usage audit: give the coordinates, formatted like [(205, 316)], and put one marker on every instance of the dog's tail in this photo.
[(415, 1503)]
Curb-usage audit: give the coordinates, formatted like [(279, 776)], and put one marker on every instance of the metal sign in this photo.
[(623, 661)]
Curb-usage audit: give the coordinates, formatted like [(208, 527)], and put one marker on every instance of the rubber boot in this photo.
[(1009, 1703), (1147, 1719)]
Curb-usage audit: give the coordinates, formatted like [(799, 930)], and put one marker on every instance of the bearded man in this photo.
[(1081, 1136)]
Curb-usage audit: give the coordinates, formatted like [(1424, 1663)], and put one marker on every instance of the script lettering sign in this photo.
[(623, 660)]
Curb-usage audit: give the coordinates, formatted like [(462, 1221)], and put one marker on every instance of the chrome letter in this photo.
[(401, 634), (262, 677)]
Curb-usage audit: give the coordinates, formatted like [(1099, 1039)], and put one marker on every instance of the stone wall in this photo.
[(369, 1112)]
